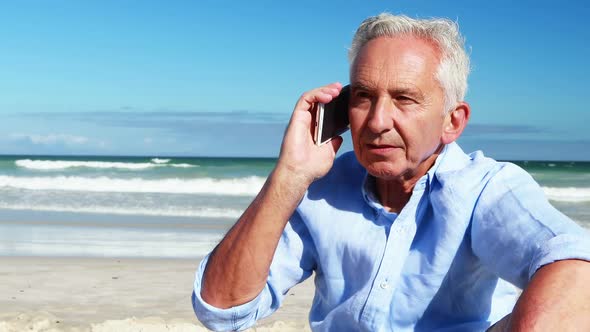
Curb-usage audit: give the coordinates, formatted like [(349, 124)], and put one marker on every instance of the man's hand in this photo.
[(299, 154)]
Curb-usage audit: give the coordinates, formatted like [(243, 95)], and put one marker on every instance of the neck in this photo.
[(394, 194)]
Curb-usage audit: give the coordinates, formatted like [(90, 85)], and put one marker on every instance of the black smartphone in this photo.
[(331, 119)]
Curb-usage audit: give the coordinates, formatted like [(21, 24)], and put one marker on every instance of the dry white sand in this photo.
[(107, 294)]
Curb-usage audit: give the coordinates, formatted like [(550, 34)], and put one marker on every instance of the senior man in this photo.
[(408, 232)]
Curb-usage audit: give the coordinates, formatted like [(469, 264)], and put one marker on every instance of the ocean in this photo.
[(167, 207)]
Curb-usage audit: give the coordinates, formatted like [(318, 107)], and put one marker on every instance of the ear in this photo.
[(454, 123)]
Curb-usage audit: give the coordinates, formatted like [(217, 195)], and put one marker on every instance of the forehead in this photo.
[(396, 60)]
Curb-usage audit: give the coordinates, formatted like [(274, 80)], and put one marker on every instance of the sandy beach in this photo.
[(112, 294)]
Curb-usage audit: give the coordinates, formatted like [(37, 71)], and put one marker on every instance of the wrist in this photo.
[(294, 178)]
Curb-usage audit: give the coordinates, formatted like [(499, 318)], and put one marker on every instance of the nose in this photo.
[(381, 116)]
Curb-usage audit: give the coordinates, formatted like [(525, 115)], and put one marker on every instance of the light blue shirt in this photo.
[(473, 229)]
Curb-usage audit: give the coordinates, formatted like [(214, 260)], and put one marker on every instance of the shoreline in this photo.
[(116, 294)]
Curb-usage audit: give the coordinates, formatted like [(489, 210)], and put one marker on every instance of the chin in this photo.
[(382, 168), (385, 170)]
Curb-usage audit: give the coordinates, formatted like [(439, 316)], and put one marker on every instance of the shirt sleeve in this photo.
[(515, 230), (293, 262)]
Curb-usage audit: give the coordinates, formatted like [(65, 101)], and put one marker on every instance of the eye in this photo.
[(360, 99), (406, 100), (360, 94)]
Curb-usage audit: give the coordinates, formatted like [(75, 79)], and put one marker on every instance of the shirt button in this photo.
[(384, 285)]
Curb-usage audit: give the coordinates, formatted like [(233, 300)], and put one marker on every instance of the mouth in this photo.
[(381, 148)]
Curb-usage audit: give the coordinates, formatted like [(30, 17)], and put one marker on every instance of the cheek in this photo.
[(425, 138), (356, 122)]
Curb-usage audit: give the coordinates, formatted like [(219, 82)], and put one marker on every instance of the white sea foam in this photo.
[(63, 164), (570, 194), (51, 165), (247, 186), (183, 165), (117, 210), (160, 161)]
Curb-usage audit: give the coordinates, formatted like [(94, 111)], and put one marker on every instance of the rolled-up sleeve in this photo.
[(234, 319), (560, 247), (515, 230), (293, 262)]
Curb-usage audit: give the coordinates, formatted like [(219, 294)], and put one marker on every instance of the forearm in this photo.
[(557, 299), (238, 267)]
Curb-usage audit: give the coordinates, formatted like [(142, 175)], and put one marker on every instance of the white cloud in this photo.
[(52, 139)]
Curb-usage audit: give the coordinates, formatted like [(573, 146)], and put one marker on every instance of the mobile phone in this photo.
[(331, 119)]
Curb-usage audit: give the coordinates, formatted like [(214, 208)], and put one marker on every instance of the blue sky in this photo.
[(220, 78)]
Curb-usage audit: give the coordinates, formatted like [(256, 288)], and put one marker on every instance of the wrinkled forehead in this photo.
[(403, 59)]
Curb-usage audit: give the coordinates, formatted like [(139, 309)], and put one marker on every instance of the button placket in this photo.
[(401, 235), (392, 261)]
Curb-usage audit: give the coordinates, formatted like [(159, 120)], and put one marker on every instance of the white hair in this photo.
[(453, 68)]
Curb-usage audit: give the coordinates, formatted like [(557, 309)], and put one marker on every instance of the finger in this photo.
[(320, 95), (302, 117)]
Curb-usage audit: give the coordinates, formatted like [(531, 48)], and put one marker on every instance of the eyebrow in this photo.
[(407, 91), (414, 92)]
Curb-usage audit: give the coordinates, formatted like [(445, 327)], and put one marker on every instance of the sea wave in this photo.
[(570, 194), (200, 212), (183, 165), (160, 161), (246, 186), (50, 165)]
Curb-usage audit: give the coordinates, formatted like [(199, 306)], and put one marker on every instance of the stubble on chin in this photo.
[(386, 170)]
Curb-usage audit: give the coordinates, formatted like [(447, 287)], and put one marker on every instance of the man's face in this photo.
[(396, 106)]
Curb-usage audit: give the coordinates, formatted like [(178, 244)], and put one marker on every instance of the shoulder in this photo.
[(470, 182), (510, 184), (456, 165), (475, 170), (462, 177)]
